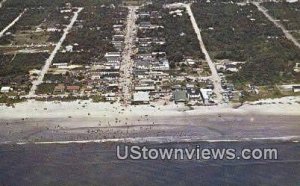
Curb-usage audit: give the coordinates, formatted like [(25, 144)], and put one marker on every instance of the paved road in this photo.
[(54, 52), (127, 63), (277, 23), (12, 23)]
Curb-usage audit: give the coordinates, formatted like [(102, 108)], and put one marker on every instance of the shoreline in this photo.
[(35, 121)]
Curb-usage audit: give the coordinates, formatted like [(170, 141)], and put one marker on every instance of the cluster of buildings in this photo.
[(151, 68), (193, 95), (228, 67), (100, 75), (153, 80), (104, 74), (6, 89)]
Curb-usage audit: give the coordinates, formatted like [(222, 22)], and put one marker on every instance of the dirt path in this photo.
[(53, 54), (277, 23)]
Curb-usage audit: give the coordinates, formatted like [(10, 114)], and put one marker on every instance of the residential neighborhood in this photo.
[(130, 54)]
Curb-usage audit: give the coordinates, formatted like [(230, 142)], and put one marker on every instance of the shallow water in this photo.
[(96, 164)]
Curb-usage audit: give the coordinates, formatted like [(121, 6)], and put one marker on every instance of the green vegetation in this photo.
[(7, 15), (181, 40), (287, 13), (45, 88), (21, 63), (242, 33), (98, 98), (92, 35), (14, 70), (58, 3), (10, 101), (31, 18), (266, 92)]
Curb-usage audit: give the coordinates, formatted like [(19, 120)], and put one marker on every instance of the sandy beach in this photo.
[(35, 121)]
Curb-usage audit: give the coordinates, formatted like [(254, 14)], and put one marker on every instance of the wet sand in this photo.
[(164, 128)]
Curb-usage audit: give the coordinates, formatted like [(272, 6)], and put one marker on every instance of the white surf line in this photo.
[(53, 54), (214, 74), (277, 23), (1, 3), (12, 23), (163, 139)]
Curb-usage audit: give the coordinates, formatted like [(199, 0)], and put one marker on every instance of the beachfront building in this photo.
[(206, 94), (5, 89), (296, 88), (180, 96), (141, 98), (193, 94)]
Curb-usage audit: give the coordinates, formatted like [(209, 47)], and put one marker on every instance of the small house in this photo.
[(5, 89), (73, 89)]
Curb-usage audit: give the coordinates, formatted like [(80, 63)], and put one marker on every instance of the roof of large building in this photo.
[(180, 96), (141, 97)]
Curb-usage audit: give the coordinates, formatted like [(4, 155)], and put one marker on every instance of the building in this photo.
[(180, 96), (73, 89), (206, 93), (144, 15), (231, 67), (141, 98), (144, 88), (60, 88), (194, 94), (296, 88), (5, 89), (145, 25), (113, 57)]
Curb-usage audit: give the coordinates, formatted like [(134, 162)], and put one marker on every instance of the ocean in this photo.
[(97, 164)]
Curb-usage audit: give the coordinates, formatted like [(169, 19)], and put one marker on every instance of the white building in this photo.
[(206, 93), (5, 89), (141, 98)]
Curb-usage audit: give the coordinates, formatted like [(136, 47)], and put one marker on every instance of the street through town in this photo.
[(127, 63), (53, 54)]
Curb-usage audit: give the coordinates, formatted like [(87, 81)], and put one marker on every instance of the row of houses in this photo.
[(152, 78), (105, 74), (151, 69), (191, 93), (99, 75)]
